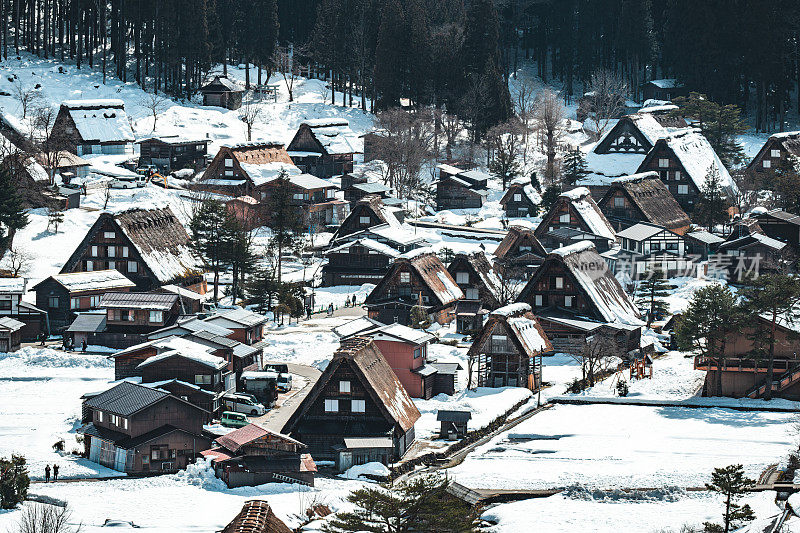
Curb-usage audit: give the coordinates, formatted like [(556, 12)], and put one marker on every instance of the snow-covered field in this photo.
[(610, 446)]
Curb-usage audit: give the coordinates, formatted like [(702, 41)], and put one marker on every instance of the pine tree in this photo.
[(651, 293), (14, 481), (573, 168), (712, 206), (550, 196), (260, 289), (732, 484), (210, 229), (284, 219), (12, 212)]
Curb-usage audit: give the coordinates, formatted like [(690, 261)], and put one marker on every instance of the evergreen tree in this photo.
[(211, 228), (651, 293), (12, 212), (732, 484), (55, 216), (711, 208), (422, 504), (284, 219), (785, 182), (711, 315), (573, 168), (240, 254), (774, 297), (535, 183), (550, 196), (261, 288), (720, 124), (14, 481)]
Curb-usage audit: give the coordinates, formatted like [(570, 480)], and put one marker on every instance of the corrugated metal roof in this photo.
[(368, 442), (126, 399), (141, 300), (453, 416)]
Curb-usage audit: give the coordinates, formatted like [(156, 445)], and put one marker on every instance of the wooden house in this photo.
[(65, 163), (254, 455), (574, 295), (324, 147), (247, 326), (576, 209), (369, 212), (62, 296), (244, 168), (189, 302), (172, 152), (246, 210), (519, 254), (521, 199), (663, 89), (93, 127), (700, 244), (460, 189), (781, 226), (256, 516), (647, 248), (780, 151), (748, 251), (222, 92), (197, 367), (149, 246), (138, 430), (10, 334), (643, 198), (357, 411), (415, 279), (356, 191), (509, 348), (482, 288), (356, 262), (638, 133), (13, 306), (683, 161), (453, 424), (207, 400)]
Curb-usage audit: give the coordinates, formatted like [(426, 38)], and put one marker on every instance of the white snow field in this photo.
[(611, 446)]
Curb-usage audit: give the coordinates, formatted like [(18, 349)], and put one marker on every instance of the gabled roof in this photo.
[(641, 231), (377, 377), (754, 239), (221, 83), (599, 286), (704, 237), (785, 216), (521, 186), (370, 244), (649, 194), (256, 516), (126, 399), (237, 439), (480, 265), (198, 356), (261, 173), (12, 285), (453, 416), (91, 281), (581, 203), (138, 300), (515, 234), (239, 316), (333, 135), (357, 326), (10, 324), (522, 327), (100, 120), (399, 332), (90, 321), (430, 271), (192, 324)]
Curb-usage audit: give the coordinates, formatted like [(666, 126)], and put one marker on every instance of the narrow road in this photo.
[(277, 417)]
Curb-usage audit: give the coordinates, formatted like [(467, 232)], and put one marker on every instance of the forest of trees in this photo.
[(449, 53)]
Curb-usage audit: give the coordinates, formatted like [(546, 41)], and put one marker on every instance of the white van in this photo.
[(243, 404)]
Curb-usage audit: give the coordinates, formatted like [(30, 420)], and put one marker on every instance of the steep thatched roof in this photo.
[(648, 193), (256, 516)]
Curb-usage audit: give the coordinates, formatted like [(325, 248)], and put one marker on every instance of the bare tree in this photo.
[(511, 284), (18, 260), (249, 114), (523, 98), (504, 143), (287, 64), (107, 194), (452, 126), (596, 356), (605, 99), (155, 103), (49, 146), (404, 146), (45, 518), (25, 95), (548, 116)]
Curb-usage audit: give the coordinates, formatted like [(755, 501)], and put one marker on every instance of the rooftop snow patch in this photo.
[(323, 122), (106, 123), (86, 104), (203, 358), (577, 193), (98, 279), (636, 177), (578, 247), (512, 309), (261, 173)]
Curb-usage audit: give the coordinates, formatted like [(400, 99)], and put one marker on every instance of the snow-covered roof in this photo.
[(36, 171), (704, 236), (91, 281), (391, 233), (636, 177), (581, 200), (449, 290), (512, 309), (239, 316), (404, 333), (12, 285), (334, 135), (100, 120), (10, 324), (658, 108), (323, 122), (578, 247), (201, 357), (697, 157), (666, 83), (261, 173), (308, 181), (640, 231), (159, 384), (532, 338), (356, 326), (370, 244)]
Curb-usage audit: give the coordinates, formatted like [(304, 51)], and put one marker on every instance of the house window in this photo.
[(94, 251), (517, 197), (124, 251), (619, 201), (564, 218), (363, 220), (559, 282), (462, 277), (145, 460), (683, 189), (766, 163), (154, 454), (568, 301), (229, 173), (656, 246), (124, 423), (74, 303), (228, 162), (111, 251), (109, 235), (331, 406), (112, 265), (405, 277), (298, 196), (538, 300), (344, 387), (329, 193), (472, 294), (417, 353), (524, 249), (202, 379), (677, 175), (132, 266), (499, 343), (99, 416), (358, 406), (672, 246), (663, 163), (94, 300), (156, 316), (89, 266), (775, 153), (53, 302)]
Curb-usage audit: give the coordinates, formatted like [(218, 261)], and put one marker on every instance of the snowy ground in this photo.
[(610, 446)]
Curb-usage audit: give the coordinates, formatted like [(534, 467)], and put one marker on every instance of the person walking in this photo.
[(47, 474), (55, 473), (83, 346)]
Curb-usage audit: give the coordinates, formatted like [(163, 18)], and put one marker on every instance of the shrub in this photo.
[(14, 481), (622, 388)]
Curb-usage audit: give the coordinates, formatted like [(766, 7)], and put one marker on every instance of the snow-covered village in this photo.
[(399, 266)]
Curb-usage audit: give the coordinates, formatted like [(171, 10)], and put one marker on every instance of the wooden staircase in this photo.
[(784, 381)]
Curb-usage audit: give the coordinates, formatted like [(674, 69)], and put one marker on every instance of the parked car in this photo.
[(284, 381), (243, 404), (124, 182), (263, 385), (233, 420)]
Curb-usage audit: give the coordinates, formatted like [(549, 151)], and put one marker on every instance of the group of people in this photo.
[(47, 473)]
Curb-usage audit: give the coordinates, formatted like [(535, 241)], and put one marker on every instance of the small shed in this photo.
[(222, 92), (10, 334), (362, 450), (453, 424)]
